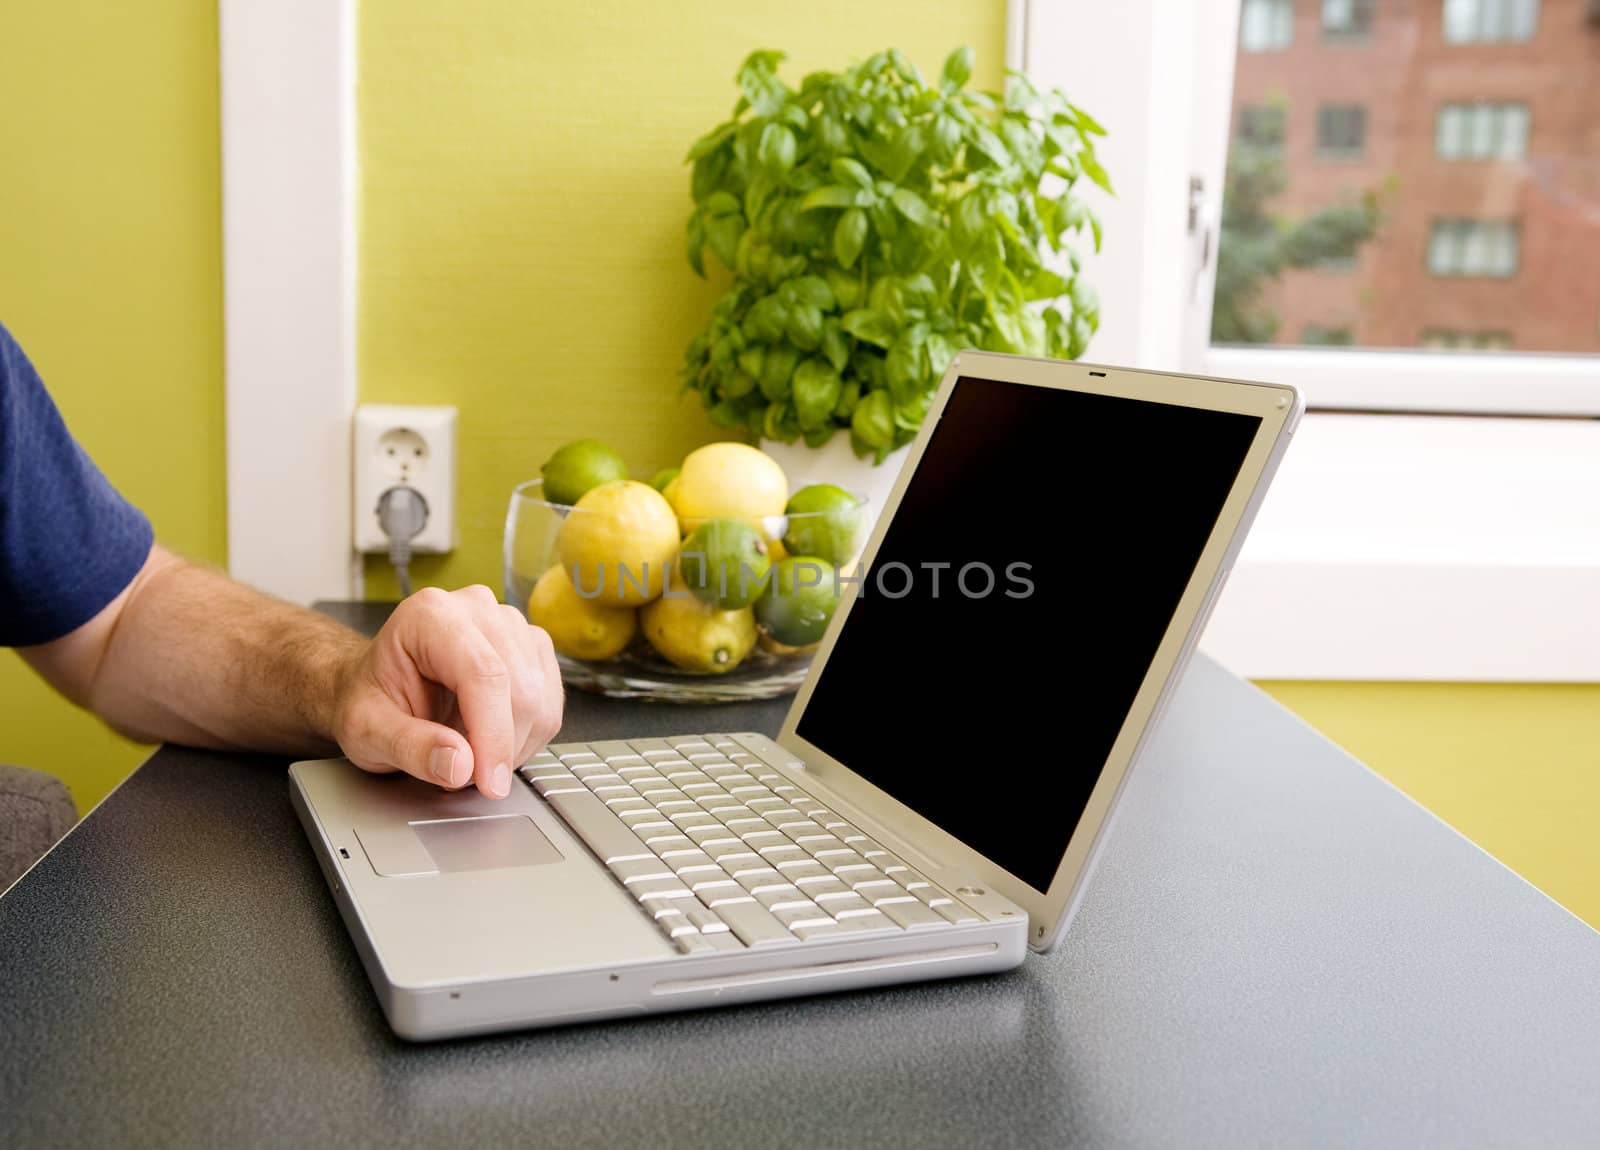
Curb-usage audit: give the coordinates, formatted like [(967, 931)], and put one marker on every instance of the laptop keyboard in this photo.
[(725, 853)]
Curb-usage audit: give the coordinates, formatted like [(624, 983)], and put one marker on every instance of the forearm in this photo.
[(191, 656)]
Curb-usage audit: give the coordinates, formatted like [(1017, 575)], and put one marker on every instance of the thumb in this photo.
[(430, 751)]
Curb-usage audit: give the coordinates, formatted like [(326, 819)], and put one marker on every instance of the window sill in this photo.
[(1401, 547)]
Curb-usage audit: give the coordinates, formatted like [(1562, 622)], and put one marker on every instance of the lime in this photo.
[(618, 542), (696, 636), (799, 600), (728, 481), (577, 468), (663, 477), (579, 627), (824, 521), (725, 562)]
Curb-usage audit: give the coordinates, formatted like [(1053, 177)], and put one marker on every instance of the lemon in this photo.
[(577, 468), (578, 627), (798, 601), (824, 521), (698, 637), (618, 542), (725, 563), (776, 551), (728, 481)]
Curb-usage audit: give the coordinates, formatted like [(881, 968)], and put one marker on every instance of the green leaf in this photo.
[(751, 360), (849, 236), (711, 141), (697, 243), (911, 206), (776, 424), (777, 149), (1091, 168), (846, 287), (723, 234), (736, 384), (848, 171), (835, 346), (725, 414), (1087, 122), (870, 326), (805, 326), (1045, 284), (722, 204), (777, 371), (873, 420), (817, 436), (957, 69), (849, 396), (828, 196), (990, 145), (813, 290), (759, 82), (816, 388)]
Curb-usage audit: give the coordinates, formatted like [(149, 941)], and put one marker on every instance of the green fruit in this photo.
[(665, 476), (577, 467), (825, 521), (799, 600), (725, 563)]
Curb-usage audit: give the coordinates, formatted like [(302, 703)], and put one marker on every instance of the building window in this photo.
[(1341, 131), (1473, 248), (1320, 335), (1481, 131), (1454, 339), (1490, 21), (1344, 20), (1266, 25), (1261, 127)]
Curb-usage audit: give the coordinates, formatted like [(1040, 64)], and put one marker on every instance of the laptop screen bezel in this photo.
[(1278, 407)]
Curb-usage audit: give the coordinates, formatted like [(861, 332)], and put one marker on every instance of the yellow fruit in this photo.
[(776, 551), (696, 637), (618, 543), (579, 627), (728, 481)]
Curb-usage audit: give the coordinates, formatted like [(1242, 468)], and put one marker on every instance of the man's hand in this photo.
[(456, 688)]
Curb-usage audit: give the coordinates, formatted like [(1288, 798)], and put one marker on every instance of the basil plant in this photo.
[(874, 225)]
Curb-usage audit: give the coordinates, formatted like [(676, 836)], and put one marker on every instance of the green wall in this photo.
[(522, 220), (1513, 766), (111, 278)]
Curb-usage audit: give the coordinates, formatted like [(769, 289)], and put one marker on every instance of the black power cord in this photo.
[(402, 513)]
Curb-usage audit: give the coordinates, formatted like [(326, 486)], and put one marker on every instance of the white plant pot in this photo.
[(835, 463)]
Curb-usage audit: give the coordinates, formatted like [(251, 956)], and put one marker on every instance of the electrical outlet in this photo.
[(401, 446)]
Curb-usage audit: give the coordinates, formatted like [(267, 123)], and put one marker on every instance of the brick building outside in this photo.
[(1478, 122)]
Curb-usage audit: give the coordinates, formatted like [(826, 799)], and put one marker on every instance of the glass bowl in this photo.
[(533, 535)]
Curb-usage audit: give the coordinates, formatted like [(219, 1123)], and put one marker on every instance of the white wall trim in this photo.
[(289, 245)]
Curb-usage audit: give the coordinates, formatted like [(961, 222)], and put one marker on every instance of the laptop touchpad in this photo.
[(486, 842)]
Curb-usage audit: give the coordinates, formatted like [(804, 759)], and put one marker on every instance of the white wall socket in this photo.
[(403, 446)]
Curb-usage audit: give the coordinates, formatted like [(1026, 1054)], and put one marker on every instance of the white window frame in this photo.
[(1390, 548)]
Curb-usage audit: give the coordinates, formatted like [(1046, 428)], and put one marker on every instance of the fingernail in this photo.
[(500, 781), (442, 762)]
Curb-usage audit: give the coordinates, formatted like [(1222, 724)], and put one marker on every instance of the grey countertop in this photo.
[(1278, 949)]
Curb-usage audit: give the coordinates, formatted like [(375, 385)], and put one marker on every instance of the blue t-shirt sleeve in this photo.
[(69, 543)]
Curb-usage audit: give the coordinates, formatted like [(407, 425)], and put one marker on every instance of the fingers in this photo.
[(382, 737), (502, 671), (446, 641)]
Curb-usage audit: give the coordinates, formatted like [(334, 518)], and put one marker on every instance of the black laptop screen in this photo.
[(1015, 604)]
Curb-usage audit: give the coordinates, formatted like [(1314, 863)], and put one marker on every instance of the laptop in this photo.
[(944, 780)]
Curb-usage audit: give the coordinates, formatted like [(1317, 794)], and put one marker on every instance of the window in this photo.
[(1266, 25), (1316, 335), (1490, 21), (1261, 127), (1341, 131), (1473, 248), (1450, 339), (1481, 132), (1346, 19)]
